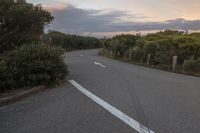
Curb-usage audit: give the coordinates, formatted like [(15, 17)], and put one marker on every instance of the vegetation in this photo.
[(192, 66), (71, 42), (161, 47), (20, 23), (31, 65), (24, 60)]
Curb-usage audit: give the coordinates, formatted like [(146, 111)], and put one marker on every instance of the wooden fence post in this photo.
[(148, 59), (118, 53), (174, 62)]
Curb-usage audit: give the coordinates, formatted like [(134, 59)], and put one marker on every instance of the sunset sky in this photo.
[(96, 17)]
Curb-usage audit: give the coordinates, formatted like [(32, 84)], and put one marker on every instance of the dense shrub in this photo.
[(188, 46), (138, 54), (162, 35), (118, 47), (32, 65), (121, 43), (192, 66), (164, 51), (6, 79), (127, 40), (162, 46)]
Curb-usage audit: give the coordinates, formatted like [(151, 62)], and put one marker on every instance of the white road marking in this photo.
[(81, 55), (122, 116), (100, 64)]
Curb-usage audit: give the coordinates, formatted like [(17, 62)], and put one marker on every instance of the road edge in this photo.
[(19, 96)]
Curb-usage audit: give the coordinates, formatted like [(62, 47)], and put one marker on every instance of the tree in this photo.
[(71, 42), (20, 23)]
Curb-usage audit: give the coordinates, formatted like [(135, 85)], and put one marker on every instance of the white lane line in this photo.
[(81, 55), (122, 116), (100, 64)]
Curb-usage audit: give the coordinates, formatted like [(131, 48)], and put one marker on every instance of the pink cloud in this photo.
[(56, 6)]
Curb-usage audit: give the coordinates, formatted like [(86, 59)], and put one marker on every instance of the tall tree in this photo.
[(21, 22)]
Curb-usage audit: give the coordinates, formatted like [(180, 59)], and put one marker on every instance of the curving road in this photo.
[(158, 101)]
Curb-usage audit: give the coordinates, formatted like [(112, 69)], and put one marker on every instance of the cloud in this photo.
[(73, 20), (156, 10), (77, 20), (54, 7)]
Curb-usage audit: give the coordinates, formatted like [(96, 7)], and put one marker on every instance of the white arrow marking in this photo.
[(99, 64)]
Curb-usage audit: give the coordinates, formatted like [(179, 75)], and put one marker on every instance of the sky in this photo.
[(110, 17)]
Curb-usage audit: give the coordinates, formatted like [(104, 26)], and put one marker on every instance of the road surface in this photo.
[(159, 101)]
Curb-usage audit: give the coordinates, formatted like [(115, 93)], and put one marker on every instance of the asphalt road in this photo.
[(161, 101)]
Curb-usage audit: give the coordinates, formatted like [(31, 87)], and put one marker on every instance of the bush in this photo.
[(138, 54), (32, 65), (164, 52), (184, 46), (162, 46), (188, 46), (192, 66), (6, 79)]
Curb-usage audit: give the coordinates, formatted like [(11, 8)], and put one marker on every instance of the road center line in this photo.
[(99, 64), (122, 116)]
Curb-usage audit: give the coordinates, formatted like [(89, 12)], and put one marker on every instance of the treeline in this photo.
[(158, 49), (24, 60), (71, 42)]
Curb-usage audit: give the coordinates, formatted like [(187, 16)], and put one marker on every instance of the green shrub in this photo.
[(6, 79), (138, 54), (184, 46), (150, 47), (188, 46), (192, 66), (162, 46), (32, 65), (121, 43), (118, 46), (164, 51)]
